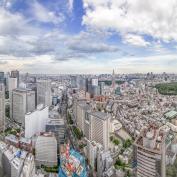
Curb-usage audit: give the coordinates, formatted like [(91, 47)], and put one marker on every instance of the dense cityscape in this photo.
[(108, 125)]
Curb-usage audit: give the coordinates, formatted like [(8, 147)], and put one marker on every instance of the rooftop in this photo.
[(171, 114), (100, 115)]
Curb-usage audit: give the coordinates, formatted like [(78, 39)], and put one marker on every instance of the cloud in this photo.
[(8, 23), (85, 47), (135, 40), (70, 5), (44, 15), (154, 18)]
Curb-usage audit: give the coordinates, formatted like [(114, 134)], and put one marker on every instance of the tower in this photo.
[(113, 80)]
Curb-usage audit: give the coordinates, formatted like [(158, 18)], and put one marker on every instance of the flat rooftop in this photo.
[(100, 115), (171, 114)]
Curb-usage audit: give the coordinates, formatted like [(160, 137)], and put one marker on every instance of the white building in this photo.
[(28, 167), (23, 101), (46, 150), (12, 84), (2, 107), (92, 151), (94, 82), (12, 161), (104, 162), (44, 95), (35, 122)]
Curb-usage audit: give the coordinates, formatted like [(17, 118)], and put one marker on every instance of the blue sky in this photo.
[(88, 36)]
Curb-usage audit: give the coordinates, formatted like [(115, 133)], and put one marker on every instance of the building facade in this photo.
[(23, 101), (150, 152), (44, 95)]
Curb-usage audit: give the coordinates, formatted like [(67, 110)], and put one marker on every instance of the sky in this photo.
[(88, 36)]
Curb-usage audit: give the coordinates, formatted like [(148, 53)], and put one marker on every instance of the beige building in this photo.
[(46, 150)]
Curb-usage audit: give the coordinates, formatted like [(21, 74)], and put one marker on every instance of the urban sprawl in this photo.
[(107, 125)]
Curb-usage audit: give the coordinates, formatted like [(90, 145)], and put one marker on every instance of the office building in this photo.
[(2, 78), (28, 167), (15, 74), (94, 81), (150, 152), (11, 85), (44, 95), (97, 128), (2, 107), (92, 152), (82, 108), (57, 126), (73, 81), (35, 121), (104, 162), (46, 150), (23, 101), (12, 161), (113, 81)]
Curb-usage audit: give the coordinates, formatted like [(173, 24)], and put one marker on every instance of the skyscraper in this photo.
[(15, 74), (12, 84), (113, 80), (23, 101), (44, 92), (2, 78), (2, 107), (98, 127), (150, 152)]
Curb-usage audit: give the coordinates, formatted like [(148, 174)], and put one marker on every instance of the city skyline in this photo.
[(88, 36)]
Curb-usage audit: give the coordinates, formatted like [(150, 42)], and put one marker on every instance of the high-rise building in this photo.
[(150, 152), (82, 108), (113, 80), (97, 127), (104, 162), (2, 78), (94, 81), (57, 126), (73, 81), (2, 107), (44, 95), (23, 101), (46, 150), (12, 84), (35, 121), (92, 152), (15, 74)]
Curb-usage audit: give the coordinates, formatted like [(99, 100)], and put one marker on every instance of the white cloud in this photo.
[(135, 40), (156, 18), (42, 14), (70, 5)]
